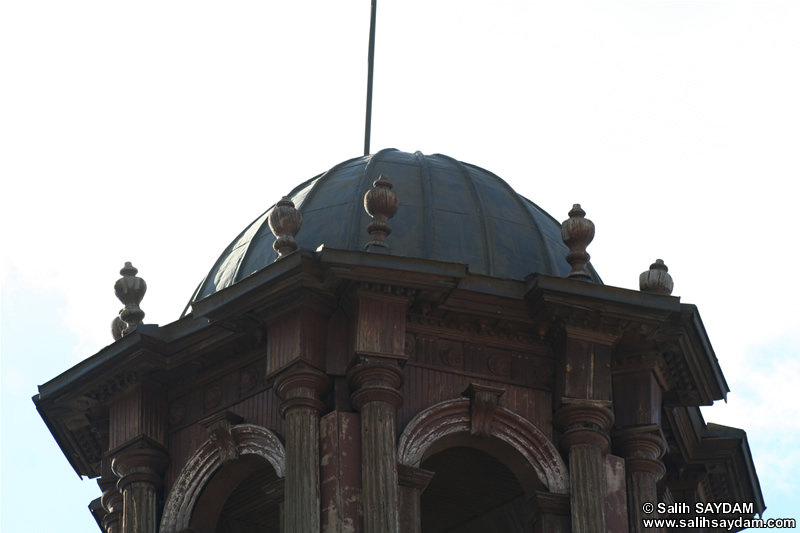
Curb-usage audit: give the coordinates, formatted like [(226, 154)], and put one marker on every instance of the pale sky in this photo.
[(155, 131)]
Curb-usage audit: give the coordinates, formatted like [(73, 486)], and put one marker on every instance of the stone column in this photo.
[(642, 449), (300, 389), (584, 426), (412, 482), (139, 466), (375, 381), (111, 500), (638, 439)]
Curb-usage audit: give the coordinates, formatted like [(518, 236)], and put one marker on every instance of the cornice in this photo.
[(723, 454)]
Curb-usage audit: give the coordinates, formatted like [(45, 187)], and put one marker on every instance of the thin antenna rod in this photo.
[(371, 62)]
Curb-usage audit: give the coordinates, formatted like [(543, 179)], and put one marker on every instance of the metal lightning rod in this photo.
[(371, 64)]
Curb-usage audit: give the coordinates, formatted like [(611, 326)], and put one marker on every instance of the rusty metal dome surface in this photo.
[(449, 211)]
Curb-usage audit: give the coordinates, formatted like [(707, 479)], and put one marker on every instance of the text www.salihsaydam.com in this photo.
[(729, 524)]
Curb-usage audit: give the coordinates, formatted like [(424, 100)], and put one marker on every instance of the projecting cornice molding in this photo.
[(719, 456), (644, 329)]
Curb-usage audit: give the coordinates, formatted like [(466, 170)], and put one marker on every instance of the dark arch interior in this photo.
[(234, 501), (472, 492), (247, 509)]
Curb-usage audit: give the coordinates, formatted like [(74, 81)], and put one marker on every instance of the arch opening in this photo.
[(438, 426), (472, 491), (234, 500), (218, 468)]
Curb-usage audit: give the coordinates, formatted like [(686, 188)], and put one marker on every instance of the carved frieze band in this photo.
[(118, 384), (220, 393), (504, 330), (467, 357), (386, 288), (598, 324)]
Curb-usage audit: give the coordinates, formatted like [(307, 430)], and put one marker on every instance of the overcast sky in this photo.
[(154, 131)]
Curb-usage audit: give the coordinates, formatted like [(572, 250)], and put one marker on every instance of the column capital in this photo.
[(376, 380), (642, 448), (141, 459), (584, 422), (301, 386)]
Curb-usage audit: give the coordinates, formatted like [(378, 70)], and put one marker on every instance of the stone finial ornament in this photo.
[(130, 290), (285, 222), (656, 280), (381, 204), (577, 232)]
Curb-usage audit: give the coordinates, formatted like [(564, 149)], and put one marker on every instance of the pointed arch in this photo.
[(452, 417), (245, 439)]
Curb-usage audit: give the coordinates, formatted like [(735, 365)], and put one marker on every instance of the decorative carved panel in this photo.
[(176, 413), (499, 362), (248, 379), (221, 392), (452, 354), (477, 359), (213, 396)]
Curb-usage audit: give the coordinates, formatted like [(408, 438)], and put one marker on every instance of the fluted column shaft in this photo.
[(139, 471), (300, 389), (302, 475), (643, 468), (586, 477), (377, 398), (380, 490), (585, 437)]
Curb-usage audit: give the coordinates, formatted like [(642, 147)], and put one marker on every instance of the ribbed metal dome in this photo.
[(449, 211)]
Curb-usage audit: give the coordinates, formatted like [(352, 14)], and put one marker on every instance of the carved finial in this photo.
[(381, 204), (117, 327), (130, 290), (656, 280), (577, 232), (285, 222)]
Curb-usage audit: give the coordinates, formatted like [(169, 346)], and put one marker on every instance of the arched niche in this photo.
[(450, 423), (229, 454)]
